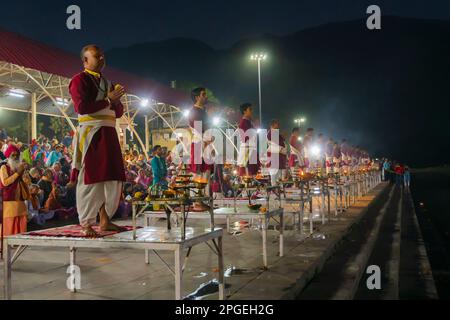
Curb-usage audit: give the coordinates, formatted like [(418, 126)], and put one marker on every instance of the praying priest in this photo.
[(97, 167)]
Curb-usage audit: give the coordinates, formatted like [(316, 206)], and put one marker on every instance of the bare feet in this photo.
[(89, 232), (105, 223), (110, 227)]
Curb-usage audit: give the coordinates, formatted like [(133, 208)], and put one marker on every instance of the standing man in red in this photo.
[(277, 150), (329, 156), (199, 123), (248, 158), (97, 166), (345, 156), (337, 157), (307, 147), (296, 159)]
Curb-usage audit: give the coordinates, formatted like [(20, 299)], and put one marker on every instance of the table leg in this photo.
[(211, 212), (336, 200), (183, 222), (72, 261), (146, 251), (134, 220), (322, 207), (281, 234), (221, 277), (302, 216), (7, 265), (264, 240), (329, 204), (178, 273)]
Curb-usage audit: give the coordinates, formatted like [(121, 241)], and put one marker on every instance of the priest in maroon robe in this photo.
[(277, 153), (199, 123), (97, 166), (296, 157), (248, 156)]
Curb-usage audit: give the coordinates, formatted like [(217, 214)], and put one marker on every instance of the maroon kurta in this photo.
[(245, 124), (307, 141), (293, 158), (282, 158), (103, 160)]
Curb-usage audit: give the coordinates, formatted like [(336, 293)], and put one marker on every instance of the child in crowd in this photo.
[(35, 213)]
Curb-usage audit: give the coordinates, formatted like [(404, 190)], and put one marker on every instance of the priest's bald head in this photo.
[(93, 58)]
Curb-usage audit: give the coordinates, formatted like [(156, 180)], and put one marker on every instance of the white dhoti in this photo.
[(91, 197), (337, 163), (276, 174)]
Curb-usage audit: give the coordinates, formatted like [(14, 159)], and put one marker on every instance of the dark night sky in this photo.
[(404, 85), (218, 23)]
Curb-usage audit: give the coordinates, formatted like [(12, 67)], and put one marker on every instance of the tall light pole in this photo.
[(300, 121), (259, 57)]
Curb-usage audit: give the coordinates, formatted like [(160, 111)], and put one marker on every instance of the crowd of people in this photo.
[(44, 166), (88, 174), (396, 172), (42, 169)]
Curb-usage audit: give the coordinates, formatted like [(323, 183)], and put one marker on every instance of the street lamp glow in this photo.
[(261, 56), (300, 120), (315, 150), (62, 102), (258, 56), (18, 93), (144, 102)]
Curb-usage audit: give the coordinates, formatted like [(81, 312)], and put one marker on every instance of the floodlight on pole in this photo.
[(259, 57)]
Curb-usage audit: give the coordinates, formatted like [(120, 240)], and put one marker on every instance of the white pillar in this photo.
[(147, 136), (33, 116)]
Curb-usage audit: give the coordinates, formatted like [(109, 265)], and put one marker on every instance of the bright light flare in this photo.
[(62, 102), (18, 93), (144, 103), (315, 150), (258, 56), (216, 121), (186, 113)]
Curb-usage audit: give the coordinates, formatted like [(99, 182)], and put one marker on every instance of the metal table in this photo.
[(264, 218), (228, 214), (170, 203), (305, 193), (149, 238)]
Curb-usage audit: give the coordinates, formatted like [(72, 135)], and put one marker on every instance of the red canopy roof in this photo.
[(31, 54)]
